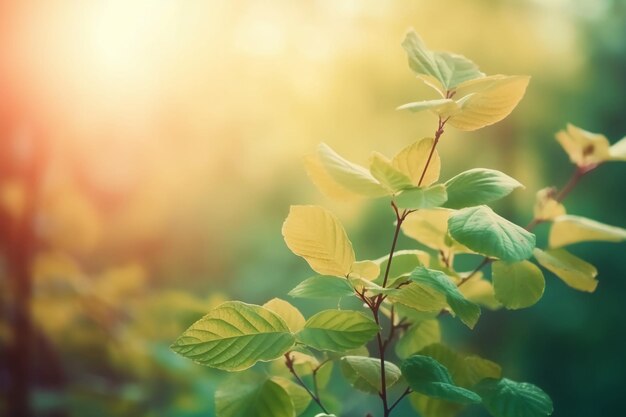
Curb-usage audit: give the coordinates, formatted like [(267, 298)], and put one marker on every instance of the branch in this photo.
[(316, 398)]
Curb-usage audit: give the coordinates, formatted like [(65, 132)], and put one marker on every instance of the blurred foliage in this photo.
[(173, 155)]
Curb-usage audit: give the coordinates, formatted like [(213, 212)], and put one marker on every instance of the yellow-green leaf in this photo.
[(517, 285), (350, 176), (298, 395), (571, 269), (569, 229), (291, 315), (617, 151), (251, 397), (480, 291), (234, 336), (412, 161), (430, 228), (337, 330), (422, 198), (325, 182), (364, 373), (315, 234), (417, 337), (438, 106), (583, 148), (387, 174), (488, 100)]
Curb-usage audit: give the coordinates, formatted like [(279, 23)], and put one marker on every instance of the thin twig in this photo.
[(404, 394), (316, 398)]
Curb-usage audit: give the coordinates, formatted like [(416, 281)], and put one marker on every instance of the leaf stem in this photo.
[(438, 133), (315, 397), (404, 394)]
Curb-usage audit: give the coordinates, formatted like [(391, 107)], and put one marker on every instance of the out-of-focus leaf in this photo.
[(417, 337), (245, 398), (422, 198), (506, 398), (569, 229), (571, 269), (517, 285), (393, 179)]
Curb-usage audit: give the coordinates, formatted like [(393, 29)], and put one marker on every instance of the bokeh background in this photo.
[(150, 149)]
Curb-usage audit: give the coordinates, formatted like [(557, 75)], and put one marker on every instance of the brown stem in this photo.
[(438, 133), (316, 398), (404, 394)]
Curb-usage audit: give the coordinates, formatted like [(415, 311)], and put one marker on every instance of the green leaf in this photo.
[(517, 285), (417, 337), (351, 176), (316, 234), (363, 373), (291, 315), (422, 198), (467, 311), (429, 377), (299, 396), (412, 162), (483, 231), (245, 398), (478, 186), (466, 371), (480, 291), (322, 286), (390, 177), (568, 229), (337, 330), (506, 398), (571, 269), (448, 69), (234, 336), (418, 296)]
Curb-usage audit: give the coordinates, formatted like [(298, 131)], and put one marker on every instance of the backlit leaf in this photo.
[(298, 395), (617, 151), (337, 330), (388, 175), (583, 148), (234, 336), (546, 206), (442, 105), (517, 285), (430, 227), (569, 229), (448, 69), (506, 398), (571, 269), (364, 373), (315, 234), (412, 161), (322, 286), (290, 314), (488, 100), (483, 231), (403, 262), (350, 176), (427, 376), (325, 182), (467, 311), (420, 297), (480, 291), (478, 186), (365, 269)]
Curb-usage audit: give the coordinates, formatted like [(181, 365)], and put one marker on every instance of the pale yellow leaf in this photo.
[(546, 207), (349, 175), (368, 270), (568, 229), (430, 227), (315, 234), (487, 100), (480, 291), (618, 150), (412, 160), (583, 148), (571, 269), (324, 181), (294, 319)]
